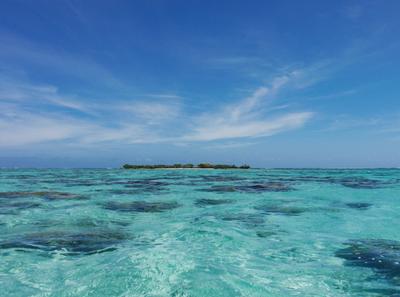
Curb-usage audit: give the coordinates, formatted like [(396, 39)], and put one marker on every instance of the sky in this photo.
[(266, 83)]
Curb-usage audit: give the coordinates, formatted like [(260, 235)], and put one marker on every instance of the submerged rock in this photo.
[(359, 205), (247, 218), (7, 195), (360, 183), (383, 256), (141, 206), (151, 185), (146, 185), (145, 182), (83, 222), (219, 189), (207, 202), (68, 243), (281, 210), (219, 178), (49, 195), (355, 182), (60, 196), (265, 187), (7, 207), (379, 292), (120, 192), (251, 188), (264, 234)]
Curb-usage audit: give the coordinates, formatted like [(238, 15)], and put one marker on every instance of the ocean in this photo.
[(255, 232)]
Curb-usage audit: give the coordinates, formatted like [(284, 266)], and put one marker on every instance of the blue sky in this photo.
[(269, 83)]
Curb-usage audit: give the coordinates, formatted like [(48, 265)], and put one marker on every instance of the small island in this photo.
[(186, 166)]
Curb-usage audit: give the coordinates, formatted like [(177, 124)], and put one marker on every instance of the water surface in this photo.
[(199, 233)]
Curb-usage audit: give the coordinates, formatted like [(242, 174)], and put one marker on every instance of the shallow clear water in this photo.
[(199, 232)]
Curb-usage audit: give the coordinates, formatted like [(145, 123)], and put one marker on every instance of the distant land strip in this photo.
[(186, 166)]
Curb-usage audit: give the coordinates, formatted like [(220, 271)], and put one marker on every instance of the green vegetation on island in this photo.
[(186, 166)]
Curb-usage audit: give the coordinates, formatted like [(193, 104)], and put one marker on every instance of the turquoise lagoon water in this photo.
[(259, 232)]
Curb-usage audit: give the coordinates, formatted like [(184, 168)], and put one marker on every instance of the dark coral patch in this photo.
[(219, 178), (145, 182), (10, 195), (381, 255), (7, 207), (141, 206), (49, 195), (219, 189), (247, 218), (251, 188), (150, 185), (264, 234), (121, 192), (359, 205), (207, 202), (265, 187), (60, 196), (281, 210), (355, 182), (361, 183), (147, 185), (66, 242)]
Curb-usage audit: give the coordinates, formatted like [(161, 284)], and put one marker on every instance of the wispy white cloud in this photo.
[(260, 128), (377, 124), (164, 96), (230, 145), (23, 92), (24, 128), (126, 134), (152, 112), (19, 127), (234, 61), (148, 111), (138, 121), (38, 113), (246, 118), (334, 95)]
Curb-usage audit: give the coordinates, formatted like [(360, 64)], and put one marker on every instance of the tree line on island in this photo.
[(186, 166)]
